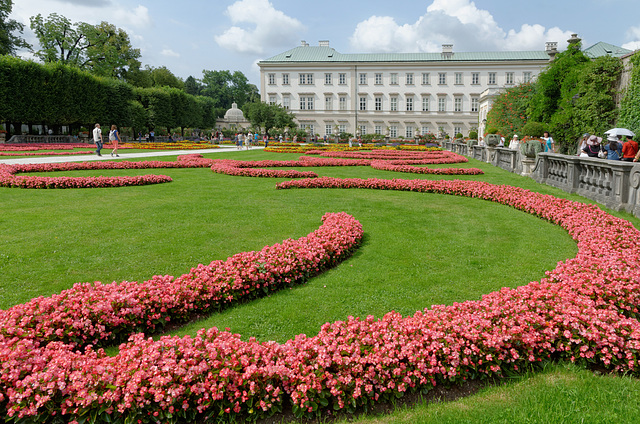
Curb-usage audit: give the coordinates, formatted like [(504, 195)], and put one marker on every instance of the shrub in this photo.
[(533, 129), (473, 135)]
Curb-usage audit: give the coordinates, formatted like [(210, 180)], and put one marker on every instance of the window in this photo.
[(286, 102), (508, 78), (328, 102), (306, 79), (526, 76), (393, 79), (425, 103), (492, 77), (475, 78), (442, 78), (457, 104), (409, 103), (342, 78), (343, 103), (474, 104), (378, 129), (458, 78), (309, 128), (306, 102), (442, 106), (272, 79), (328, 129), (363, 129), (272, 100), (363, 79), (378, 79), (342, 128), (408, 132), (457, 130), (285, 79), (393, 131), (378, 103), (393, 104), (409, 79), (425, 78), (327, 79), (363, 103), (424, 130)]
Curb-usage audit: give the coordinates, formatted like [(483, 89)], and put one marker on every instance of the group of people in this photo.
[(114, 139), (617, 148), (248, 139), (514, 144)]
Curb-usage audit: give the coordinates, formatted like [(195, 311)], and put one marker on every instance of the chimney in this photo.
[(323, 43), (304, 43), (447, 51), (551, 48)]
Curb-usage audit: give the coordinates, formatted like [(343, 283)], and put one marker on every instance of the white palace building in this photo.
[(398, 94)]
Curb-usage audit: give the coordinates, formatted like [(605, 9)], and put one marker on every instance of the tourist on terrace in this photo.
[(582, 144), (629, 150), (514, 143), (549, 144), (613, 148), (593, 146)]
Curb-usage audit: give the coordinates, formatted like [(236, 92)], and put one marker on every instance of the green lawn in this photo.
[(419, 250)]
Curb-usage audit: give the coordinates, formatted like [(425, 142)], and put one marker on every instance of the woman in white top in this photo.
[(514, 143)]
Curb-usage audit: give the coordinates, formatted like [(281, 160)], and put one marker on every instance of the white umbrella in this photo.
[(620, 131)]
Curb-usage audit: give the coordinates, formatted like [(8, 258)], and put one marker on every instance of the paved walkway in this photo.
[(106, 155)]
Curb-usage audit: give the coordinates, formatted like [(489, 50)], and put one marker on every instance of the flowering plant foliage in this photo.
[(32, 147), (585, 310), (47, 153)]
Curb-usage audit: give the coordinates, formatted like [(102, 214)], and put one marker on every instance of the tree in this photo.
[(268, 116), (108, 51), (163, 77), (192, 86), (101, 49), (225, 88), (8, 41)]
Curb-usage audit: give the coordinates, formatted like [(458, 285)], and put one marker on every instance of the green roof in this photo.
[(307, 53), (328, 54), (604, 49)]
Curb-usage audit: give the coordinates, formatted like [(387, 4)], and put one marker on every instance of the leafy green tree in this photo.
[(192, 86), (225, 88), (163, 77), (101, 49), (266, 116), (9, 42), (630, 106), (108, 51), (546, 100)]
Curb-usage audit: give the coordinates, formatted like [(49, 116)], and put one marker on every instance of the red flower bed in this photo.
[(585, 310), (9, 179), (86, 152), (389, 166)]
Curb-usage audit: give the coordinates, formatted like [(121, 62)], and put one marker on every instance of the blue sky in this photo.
[(189, 36)]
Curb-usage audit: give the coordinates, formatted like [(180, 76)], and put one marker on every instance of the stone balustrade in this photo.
[(615, 184)]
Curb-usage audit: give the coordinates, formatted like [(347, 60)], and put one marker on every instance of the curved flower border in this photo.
[(585, 310)]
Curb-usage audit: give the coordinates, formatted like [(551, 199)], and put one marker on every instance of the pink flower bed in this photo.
[(32, 147), (39, 340), (585, 310), (427, 157), (9, 179), (387, 166), (86, 152)]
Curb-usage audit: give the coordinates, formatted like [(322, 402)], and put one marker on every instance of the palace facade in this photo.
[(394, 94)]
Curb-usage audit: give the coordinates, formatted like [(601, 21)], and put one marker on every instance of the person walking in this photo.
[(114, 139), (549, 144), (97, 138)]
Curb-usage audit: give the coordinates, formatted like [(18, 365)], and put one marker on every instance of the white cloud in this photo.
[(633, 34), (267, 27), (169, 53), (458, 22)]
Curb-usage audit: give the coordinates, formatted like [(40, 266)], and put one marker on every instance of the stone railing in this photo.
[(615, 184)]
